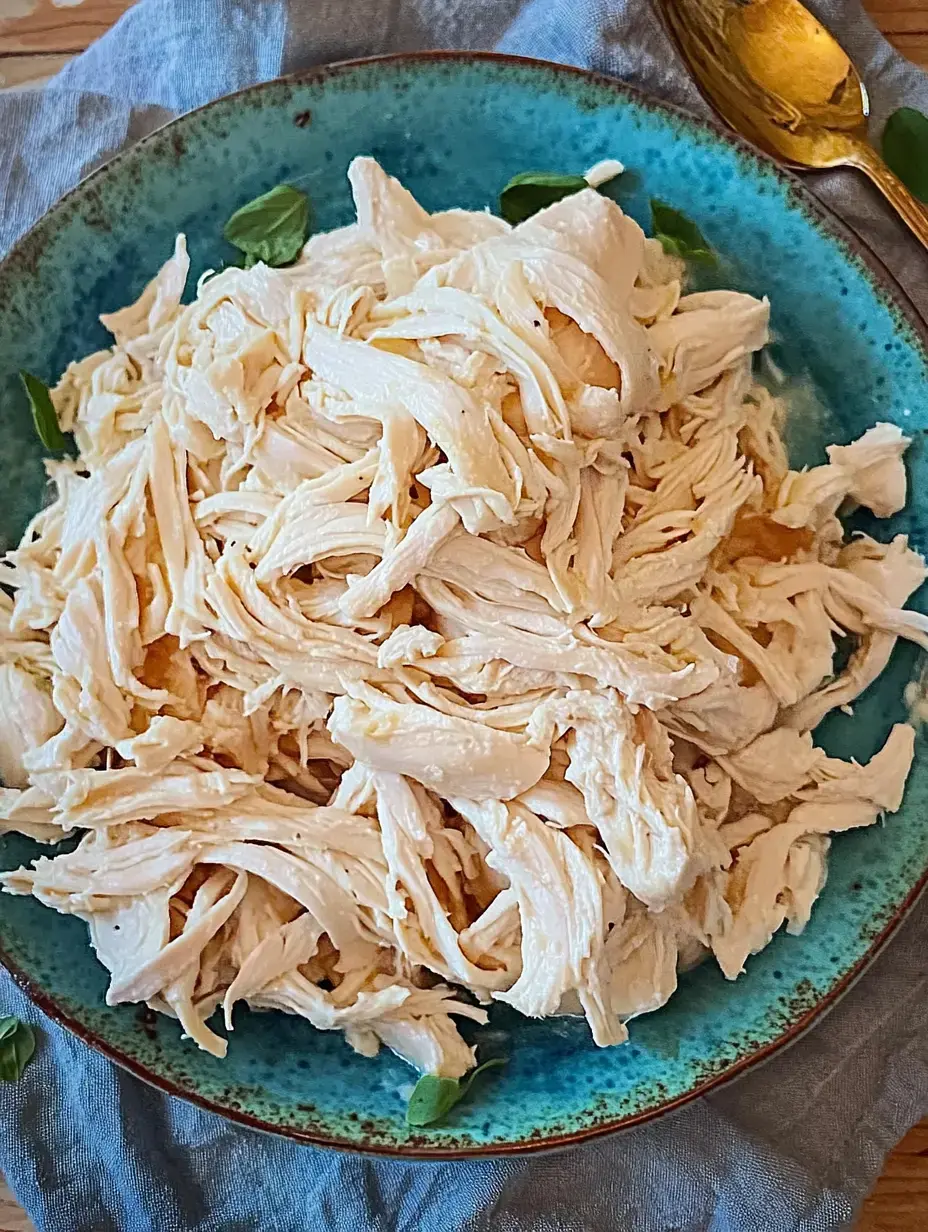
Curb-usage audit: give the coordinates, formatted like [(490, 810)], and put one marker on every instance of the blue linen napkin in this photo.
[(791, 1147)]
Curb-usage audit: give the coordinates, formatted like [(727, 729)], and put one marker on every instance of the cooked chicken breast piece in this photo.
[(435, 621)]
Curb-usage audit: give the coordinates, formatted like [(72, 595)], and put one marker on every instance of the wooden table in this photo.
[(36, 44)]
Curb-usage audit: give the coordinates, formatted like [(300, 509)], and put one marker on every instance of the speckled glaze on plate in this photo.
[(842, 328)]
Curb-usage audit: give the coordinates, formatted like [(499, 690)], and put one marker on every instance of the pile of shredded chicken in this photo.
[(439, 613)]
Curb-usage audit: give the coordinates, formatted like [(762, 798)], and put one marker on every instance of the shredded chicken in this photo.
[(437, 621)]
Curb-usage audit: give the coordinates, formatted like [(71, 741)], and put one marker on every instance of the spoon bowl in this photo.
[(822, 83), (777, 76)]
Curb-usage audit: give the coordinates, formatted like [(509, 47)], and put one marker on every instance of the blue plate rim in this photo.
[(896, 299)]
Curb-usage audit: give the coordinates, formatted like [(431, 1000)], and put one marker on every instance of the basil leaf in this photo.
[(44, 415), (678, 234), (272, 228), (492, 1063), (905, 148), (17, 1044), (531, 191), (433, 1098)]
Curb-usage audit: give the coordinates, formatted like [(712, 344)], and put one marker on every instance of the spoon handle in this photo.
[(909, 208)]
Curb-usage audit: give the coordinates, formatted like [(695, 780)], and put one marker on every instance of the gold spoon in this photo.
[(778, 77)]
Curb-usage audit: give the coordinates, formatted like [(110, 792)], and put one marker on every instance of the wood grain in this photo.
[(914, 45), (12, 1217), (29, 70), (46, 28), (36, 42), (899, 1201), (899, 16), (905, 24)]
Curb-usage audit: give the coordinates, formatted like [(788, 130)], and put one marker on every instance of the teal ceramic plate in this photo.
[(454, 129)]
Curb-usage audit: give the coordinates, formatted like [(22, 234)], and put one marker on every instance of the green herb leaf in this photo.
[(531, 191), (17, 1044), (433, 1098), (678, 234), (43, 412), (272, 228), (905, 148)]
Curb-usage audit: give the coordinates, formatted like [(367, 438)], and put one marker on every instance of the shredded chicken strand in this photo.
[(435, 621)]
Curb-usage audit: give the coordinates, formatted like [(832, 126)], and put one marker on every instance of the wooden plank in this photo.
[(892, 16), (38, 26), (915, 46), (29, 70), (899, 1201), (905, 24), (12, 1216)]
